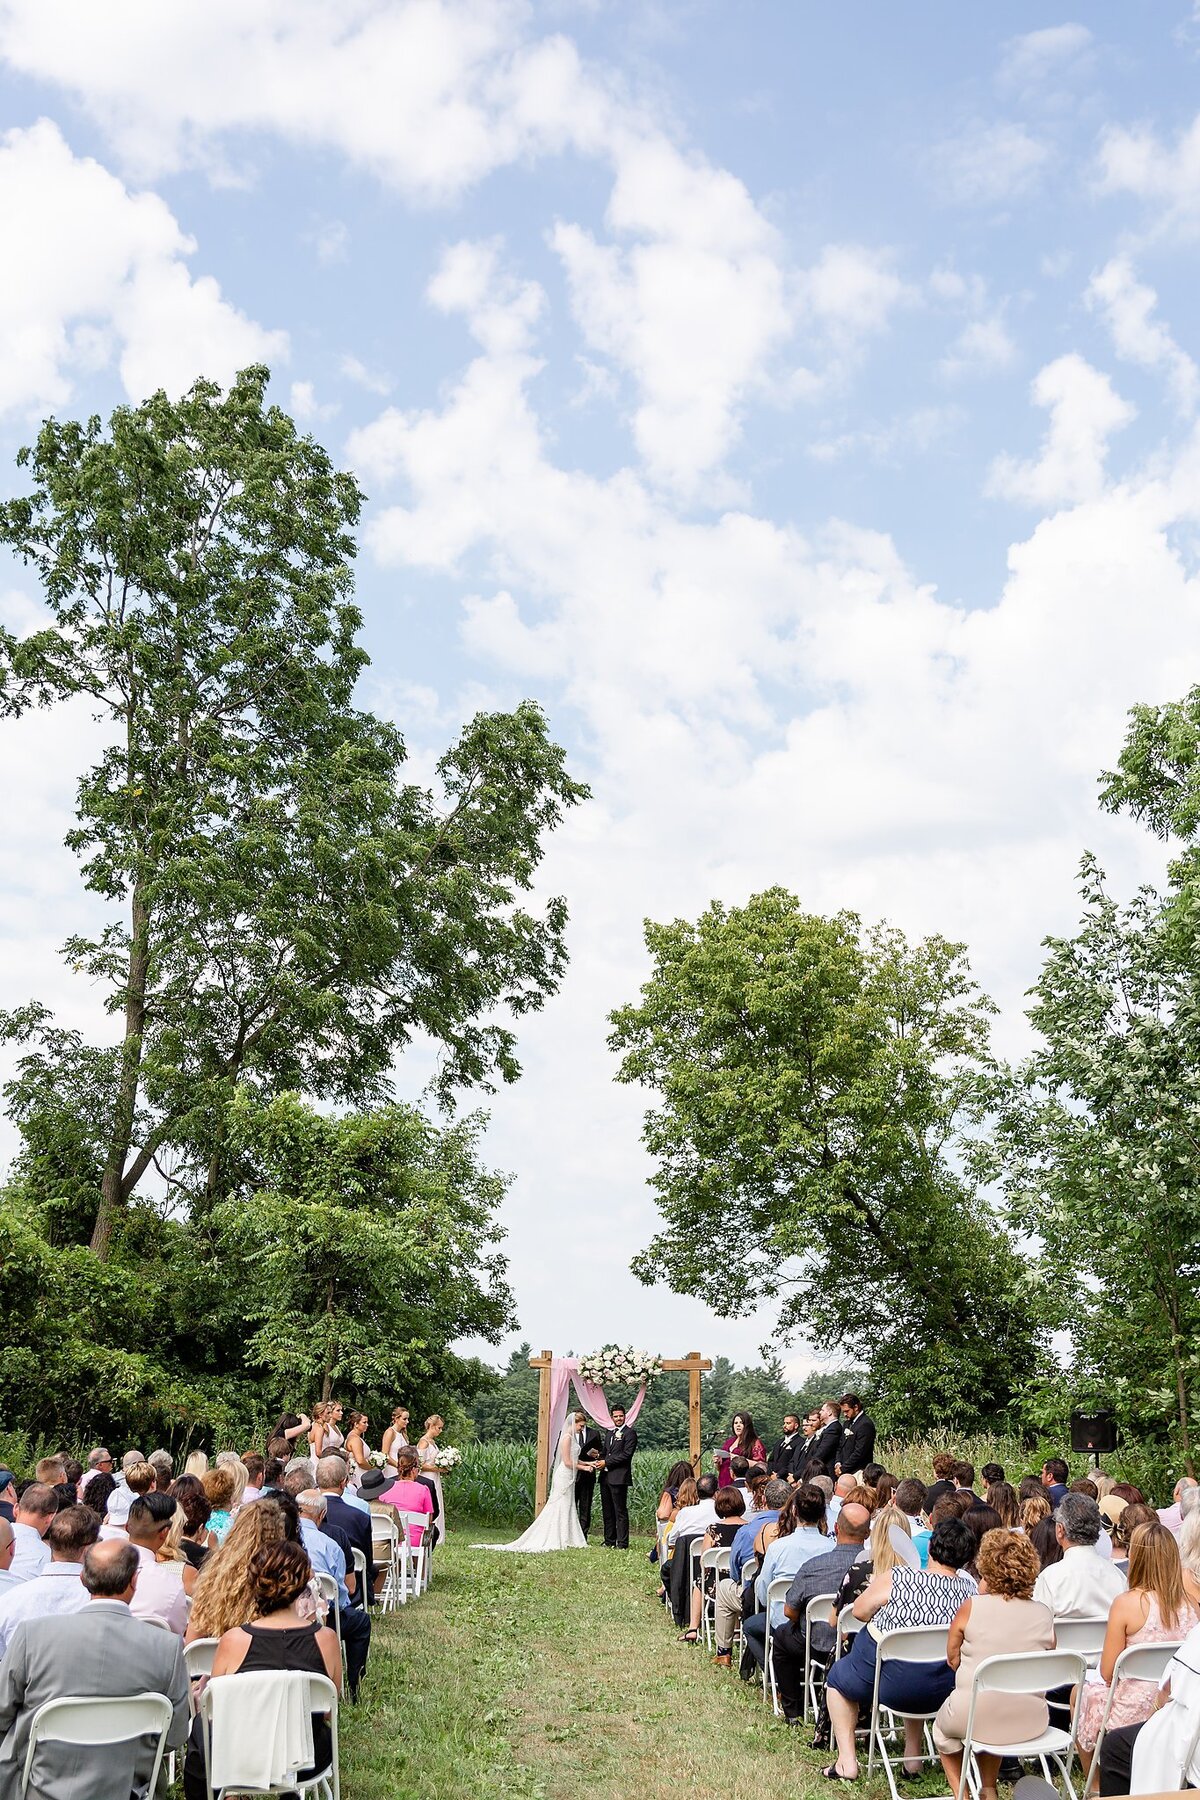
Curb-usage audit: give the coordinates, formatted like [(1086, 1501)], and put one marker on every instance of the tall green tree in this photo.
[(814, 1083), (363, 1247), (282, 907)]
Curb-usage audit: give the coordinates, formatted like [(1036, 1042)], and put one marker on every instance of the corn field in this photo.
[(494, 1483)]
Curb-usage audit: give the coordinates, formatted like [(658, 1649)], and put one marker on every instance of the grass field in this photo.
[(554, 1678)]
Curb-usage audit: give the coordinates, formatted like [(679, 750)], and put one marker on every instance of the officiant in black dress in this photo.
[(587, 1446)]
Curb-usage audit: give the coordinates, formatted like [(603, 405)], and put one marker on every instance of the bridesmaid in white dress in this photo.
[(557, 1526), (427, 1451), (324, 1435), (394, 1439)]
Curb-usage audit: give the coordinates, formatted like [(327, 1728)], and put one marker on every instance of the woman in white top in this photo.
[(427, 1450), (395, 1438)]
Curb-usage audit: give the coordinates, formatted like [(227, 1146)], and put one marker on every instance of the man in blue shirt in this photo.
[(327, 1558), (820, 1575), (786, 1556), (729, 1589)]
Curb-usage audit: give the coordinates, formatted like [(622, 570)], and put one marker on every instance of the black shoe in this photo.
[(1011, 1769)]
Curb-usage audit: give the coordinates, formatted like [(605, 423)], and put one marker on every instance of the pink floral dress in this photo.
[(1133, 1699)]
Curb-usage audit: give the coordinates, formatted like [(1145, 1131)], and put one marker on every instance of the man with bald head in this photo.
[(102, 1651), (820, 1575)]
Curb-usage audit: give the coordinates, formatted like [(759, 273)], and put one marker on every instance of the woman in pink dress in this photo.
[(743, 1440), (1160, 1607), (407, 1494)]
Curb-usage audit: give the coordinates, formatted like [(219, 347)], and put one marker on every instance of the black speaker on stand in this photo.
[(1094, 1433)]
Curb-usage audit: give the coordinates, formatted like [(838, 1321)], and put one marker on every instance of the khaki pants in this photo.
[(728, 1611)]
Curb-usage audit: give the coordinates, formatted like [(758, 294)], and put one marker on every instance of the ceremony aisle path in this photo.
[(554, 1678)]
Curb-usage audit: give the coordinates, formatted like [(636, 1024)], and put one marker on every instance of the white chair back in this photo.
[(907, 1644), (322, 1697), (1137, 1662), (1085, 1635), (777, 1590), (1029, 1672), (816, 1611), (99, 1719)]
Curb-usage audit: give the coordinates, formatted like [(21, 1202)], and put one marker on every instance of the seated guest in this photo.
[(196, 1540), (897, 1527), (407, 1494), (163, 1464), (51, 1472), (870, 1476), (1172, 1516), (756, 1483), (1033, 1511), (329, 1556), (910, 1498), (73, 1470), (699, 1514), (932, 1517), (31, 1521), (1055, 1475), (822, 1575), (272, 1474), (800, 1535), (1125, 1490), (96, 1490), (979, 1520), (253, 1466), (99, 1462), (160, 1590), (58, 1589), (229, 1459), (278, 1634), (731, 1512), (843, 1487), (1132, 1516), (1084, 1486), (8, 1543), (964, 1479), (219, 1486), (332, 1477), (677, 1474), (137, 1479), (1155, 1610), (8, 1495), (196, 1464), (1002, 1498), (885, 1489), (1030, 1486), (224, 1595), (1083, 1585), (1045, 1541), (943, 1479), (899, 1597), (991, 1475), (1002, 1618), (100, 1652), (749, 1546), (1172, 1724)]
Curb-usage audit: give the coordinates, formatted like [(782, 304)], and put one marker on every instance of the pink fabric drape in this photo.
[(563, 1371)]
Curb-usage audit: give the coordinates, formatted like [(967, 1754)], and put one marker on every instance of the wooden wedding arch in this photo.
[(695, 1364)]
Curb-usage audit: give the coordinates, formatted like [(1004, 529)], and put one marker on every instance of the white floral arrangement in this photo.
[(449, 1458), (377, 1459), (614, 1366)]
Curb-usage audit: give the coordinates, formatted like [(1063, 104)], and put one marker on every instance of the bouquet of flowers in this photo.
[(445, 1459), (614, 1366), (376, 1458)]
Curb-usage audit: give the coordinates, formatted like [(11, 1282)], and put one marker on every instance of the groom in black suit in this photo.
[(588, 1447), (619, 1446)]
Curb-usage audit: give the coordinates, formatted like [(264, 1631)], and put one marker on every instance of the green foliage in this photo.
[(284, 908), (815, 1083)]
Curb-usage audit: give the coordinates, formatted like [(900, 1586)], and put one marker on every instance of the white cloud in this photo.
[(355, 370), (1037, 55), (1135, 160), (330, 242), (1085, 410), (100, 276), (305, 406), (851, 292), (1128, 307), (911, 433), (982, 347), (989, 164)]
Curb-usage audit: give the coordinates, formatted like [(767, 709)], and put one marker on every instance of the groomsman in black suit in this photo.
[(826, 1447), (619, 1446), (588, 1447), (784, 1457)]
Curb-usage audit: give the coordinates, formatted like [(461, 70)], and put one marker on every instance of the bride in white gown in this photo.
[(557, 1526)]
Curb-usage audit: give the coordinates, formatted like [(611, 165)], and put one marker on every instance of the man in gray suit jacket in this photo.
[(101, 1650)]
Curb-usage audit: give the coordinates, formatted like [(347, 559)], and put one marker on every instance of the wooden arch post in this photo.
[(695, 1364)]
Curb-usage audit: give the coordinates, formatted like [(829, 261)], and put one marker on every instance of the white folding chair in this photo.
[(1138, 1662), (716, 1561), (99, 1719), (389, 1546), (816, 1612), (1033, 1672), (329, 1593), (911, 1644), (323, 1784), (360, 1570), (198, 1661), (777, 1590), (1085, 1635), (420, 1554)]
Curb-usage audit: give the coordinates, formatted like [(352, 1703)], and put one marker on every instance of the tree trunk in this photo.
[(1181, 1396), (112, 1189), (327, 1376)]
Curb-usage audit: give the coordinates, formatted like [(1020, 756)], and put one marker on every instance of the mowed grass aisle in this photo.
[(555, 1677)]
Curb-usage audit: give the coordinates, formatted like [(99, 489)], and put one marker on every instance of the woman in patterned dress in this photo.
[(900, 1596)]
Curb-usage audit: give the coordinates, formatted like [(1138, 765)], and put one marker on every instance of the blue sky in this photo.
[(799, 401)]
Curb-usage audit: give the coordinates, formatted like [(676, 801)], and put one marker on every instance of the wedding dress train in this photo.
[(557, 1526)]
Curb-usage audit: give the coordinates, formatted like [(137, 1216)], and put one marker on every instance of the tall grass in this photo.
[(494, 1483)]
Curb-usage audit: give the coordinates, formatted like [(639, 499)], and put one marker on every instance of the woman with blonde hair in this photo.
[(224, 1593), (323, 1433), (229, 1459), (1033, 1511), (427, 1451), (196, 1464), (1157, 1609)]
